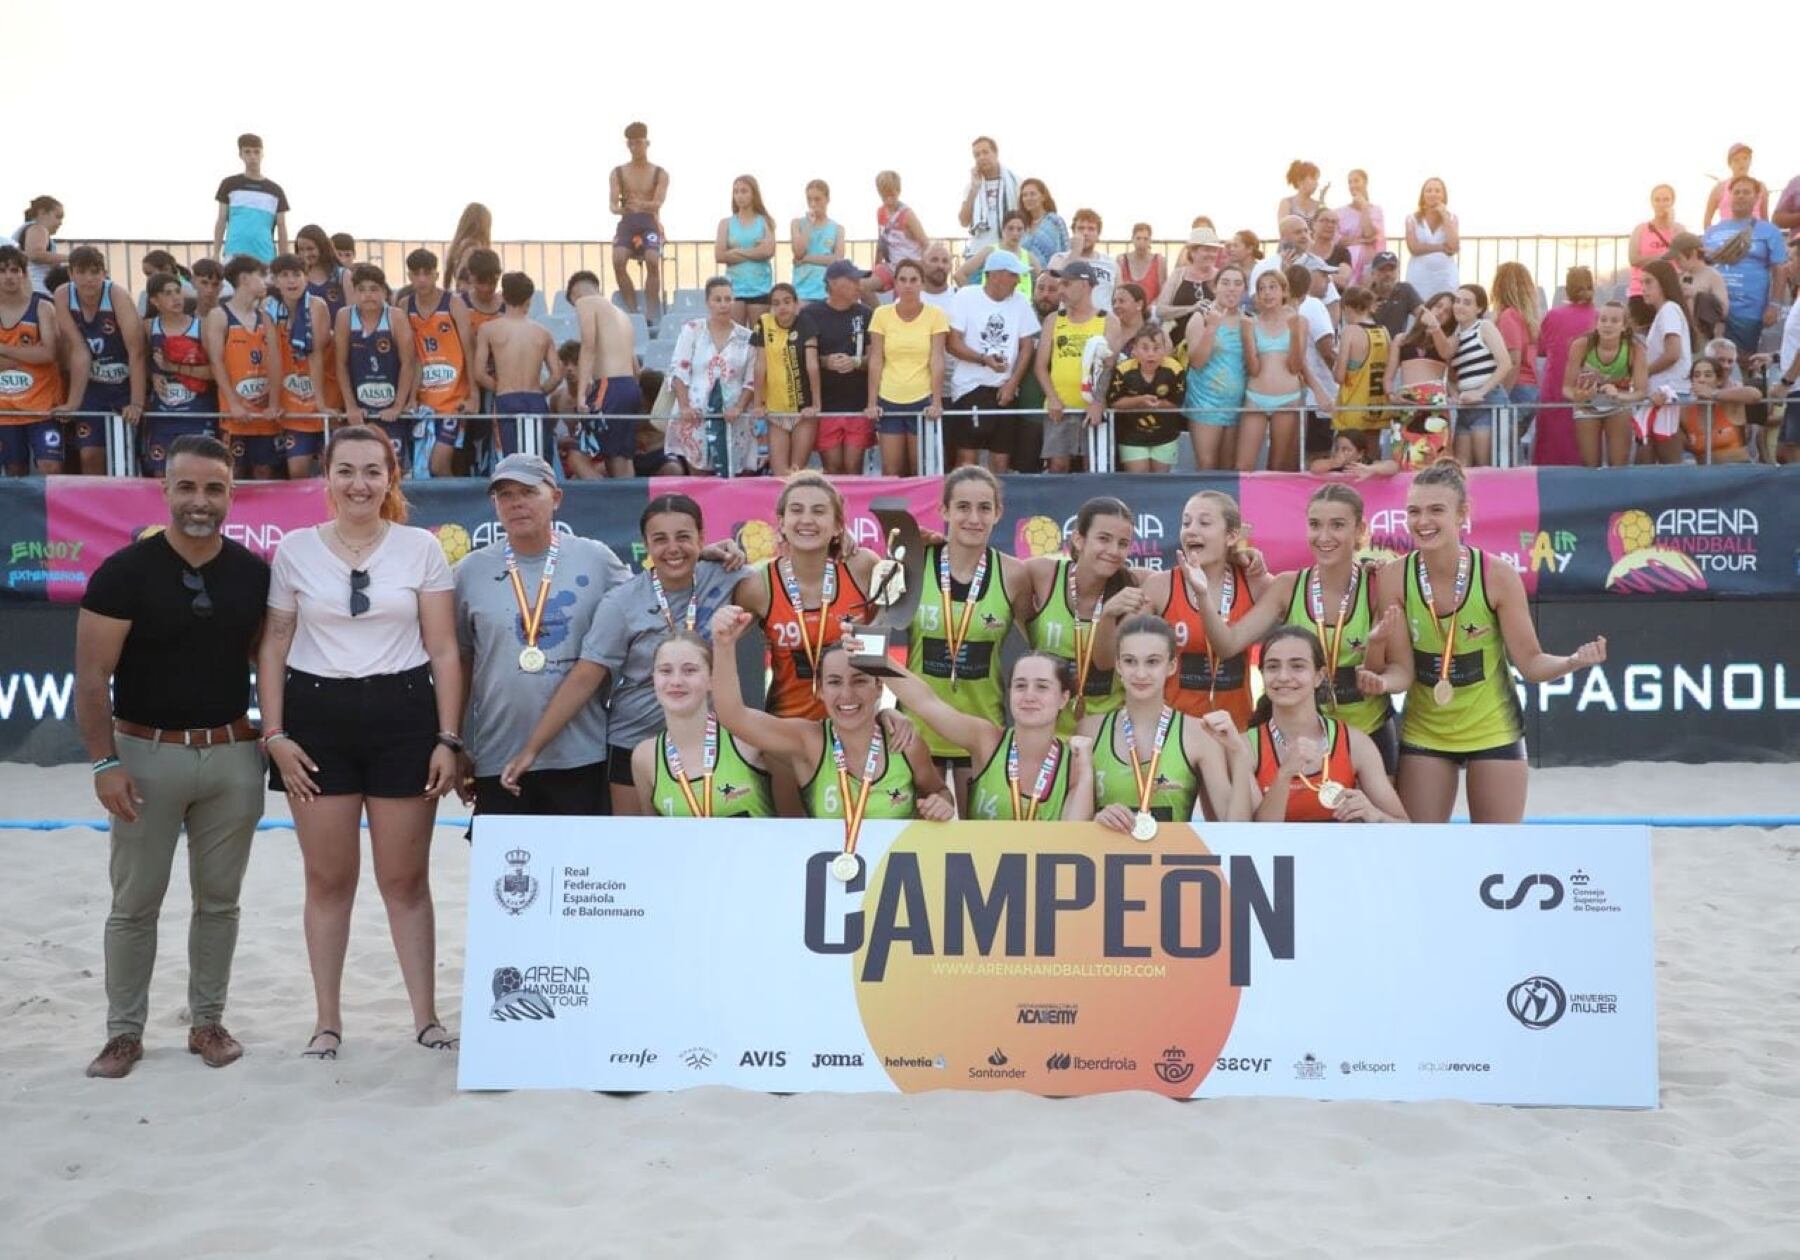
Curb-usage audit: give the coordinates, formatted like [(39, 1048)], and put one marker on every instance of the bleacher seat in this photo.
[(687, 302), (560, 304), (563, 327), (1562, 295), (658, 355), (1543, 302), (539, 308), (669, 327), (640, 331)]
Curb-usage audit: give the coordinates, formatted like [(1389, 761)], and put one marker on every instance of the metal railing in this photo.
[(687, 265), (1511, 424)]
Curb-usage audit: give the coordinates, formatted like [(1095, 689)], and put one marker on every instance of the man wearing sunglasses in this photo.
[(171, 622)]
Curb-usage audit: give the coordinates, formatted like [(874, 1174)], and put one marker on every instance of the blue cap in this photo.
[(1002, 260), (844, 269)]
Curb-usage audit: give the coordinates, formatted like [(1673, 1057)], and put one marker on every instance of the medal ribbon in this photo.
[(1040, 792), (1446, 626), (1315, 601), (1227, 598), (1324, 756), (532, 616), (1084, 643), (957, 635), (1146, 778), (827, 596), (853, 814), (701, 808), (662, 600)]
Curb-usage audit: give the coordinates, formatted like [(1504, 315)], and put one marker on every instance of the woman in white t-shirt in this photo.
[(362, 696), (1669, 346)]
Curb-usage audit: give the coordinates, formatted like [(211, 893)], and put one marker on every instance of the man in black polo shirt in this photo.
[(172, 623), (1395, 300)]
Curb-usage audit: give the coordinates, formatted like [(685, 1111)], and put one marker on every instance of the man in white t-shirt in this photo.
[(935, 264), (992, 343), (1321, 331), (1084, 247)]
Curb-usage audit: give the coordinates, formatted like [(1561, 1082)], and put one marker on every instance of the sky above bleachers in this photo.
[(1536, 114)]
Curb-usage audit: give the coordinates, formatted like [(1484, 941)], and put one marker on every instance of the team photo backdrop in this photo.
[(1498, 964)]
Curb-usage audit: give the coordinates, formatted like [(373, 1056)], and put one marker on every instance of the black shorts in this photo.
[(368, 736), (997, 433), (651, 464), (618, 766), (1514, 751), (579, 790), (752, 299), (1387, 743)]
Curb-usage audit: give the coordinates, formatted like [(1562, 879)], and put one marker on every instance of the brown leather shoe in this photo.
[(215, 1046), (117, 1057)]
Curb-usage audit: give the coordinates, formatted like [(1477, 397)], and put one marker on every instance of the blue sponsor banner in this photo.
[(1489, 964)]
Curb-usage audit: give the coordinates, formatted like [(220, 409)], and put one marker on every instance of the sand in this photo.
[(379, 1155)]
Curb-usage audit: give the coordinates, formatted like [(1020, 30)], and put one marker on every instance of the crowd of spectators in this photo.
[(1322, 350)]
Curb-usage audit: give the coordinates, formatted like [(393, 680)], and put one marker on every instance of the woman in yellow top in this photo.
[(1464, 624), (906, 368)]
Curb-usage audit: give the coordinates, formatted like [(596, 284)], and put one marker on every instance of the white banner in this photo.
[(1489, 964)]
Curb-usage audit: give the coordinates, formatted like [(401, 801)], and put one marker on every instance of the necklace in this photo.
[(359, 551)]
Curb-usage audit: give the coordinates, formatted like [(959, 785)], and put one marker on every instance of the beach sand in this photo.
[(377, 1154)]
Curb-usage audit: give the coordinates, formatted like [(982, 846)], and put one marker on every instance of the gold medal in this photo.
[(1330, 794), (845, 867), (532, 659), (1143, 826), (531, 616), (1443, 692)]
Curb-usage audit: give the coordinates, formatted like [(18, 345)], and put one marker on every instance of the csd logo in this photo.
[(1549, 898)]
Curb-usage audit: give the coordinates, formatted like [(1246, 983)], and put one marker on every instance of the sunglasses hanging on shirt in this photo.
[(202, 605), (359, 592)]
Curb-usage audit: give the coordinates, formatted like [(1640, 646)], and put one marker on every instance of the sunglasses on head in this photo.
[(202, 605), (359, 592)]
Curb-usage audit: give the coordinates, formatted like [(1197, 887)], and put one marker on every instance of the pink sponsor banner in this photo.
[(104, 514), (745, 506), (1503, 515)]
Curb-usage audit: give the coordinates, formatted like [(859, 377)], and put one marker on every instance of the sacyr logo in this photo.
[(1551, 897), (1537, 1002), (1058, 1062)]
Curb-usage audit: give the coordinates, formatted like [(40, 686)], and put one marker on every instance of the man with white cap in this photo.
[(992, 342), (523, 606)]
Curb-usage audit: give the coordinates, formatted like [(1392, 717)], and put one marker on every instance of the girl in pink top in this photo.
[(1555, 442), (1652, 238), (1516, 316), (1718, 201), (1361, 226)]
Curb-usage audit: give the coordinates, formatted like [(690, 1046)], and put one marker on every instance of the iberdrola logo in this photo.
[(1640, 566)]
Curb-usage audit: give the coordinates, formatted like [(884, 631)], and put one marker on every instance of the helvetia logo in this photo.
[(1174, 1067), (518, 888), (933, 1062)]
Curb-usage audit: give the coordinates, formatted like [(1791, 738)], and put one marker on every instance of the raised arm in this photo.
[(980, 736), (796, 738)]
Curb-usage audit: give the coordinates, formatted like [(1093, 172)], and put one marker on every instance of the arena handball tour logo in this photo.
[(1677, 548)]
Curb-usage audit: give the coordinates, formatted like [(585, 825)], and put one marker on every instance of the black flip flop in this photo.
[(328, 1052), (445, 1042)]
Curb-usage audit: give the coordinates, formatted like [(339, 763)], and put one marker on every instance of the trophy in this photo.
[(894, 588)]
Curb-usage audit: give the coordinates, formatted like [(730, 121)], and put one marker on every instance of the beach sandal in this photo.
[(323, 1052), (441, 1041)]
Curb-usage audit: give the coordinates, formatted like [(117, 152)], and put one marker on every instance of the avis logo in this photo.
[(763, 1058), (1550, 898), (1174, 1067)]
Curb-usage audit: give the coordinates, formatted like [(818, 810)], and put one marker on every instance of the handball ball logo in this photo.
[(1537, 1002), (757, 538), (1038, 536), (1640, 567), (454, 540)]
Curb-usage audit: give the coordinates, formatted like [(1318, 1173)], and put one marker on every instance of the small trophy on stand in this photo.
[(894, 588)]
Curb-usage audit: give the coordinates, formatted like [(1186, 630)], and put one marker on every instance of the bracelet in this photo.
[(274, 737), (450, 740), (107, 763)]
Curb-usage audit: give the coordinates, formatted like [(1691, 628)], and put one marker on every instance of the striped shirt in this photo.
[(1474, 363)]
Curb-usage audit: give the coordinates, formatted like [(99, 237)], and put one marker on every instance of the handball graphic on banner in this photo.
[(1058, 958)]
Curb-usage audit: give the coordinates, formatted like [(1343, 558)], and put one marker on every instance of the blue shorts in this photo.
[(255, 452), (40, 441), (399, 435), (89, 432), (614, 433), (511, 408), (900, 419), (160, 431), (637, 234), (1479, 417), (109, 397), (299, 444)]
